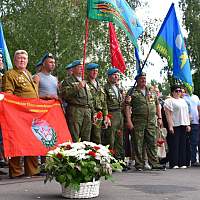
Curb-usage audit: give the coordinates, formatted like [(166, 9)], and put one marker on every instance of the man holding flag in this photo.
[(18, 81)]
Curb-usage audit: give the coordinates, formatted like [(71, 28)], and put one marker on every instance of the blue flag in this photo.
[(4, 50), (137, 58), (170, 44), (119, 12)]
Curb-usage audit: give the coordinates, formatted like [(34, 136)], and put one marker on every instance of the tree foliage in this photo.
[(191, 17), (59, 27)]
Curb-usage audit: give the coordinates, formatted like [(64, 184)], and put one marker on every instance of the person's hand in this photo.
[(94, 118), (171, 130), (129, 125), (107, 121), (188, 129), (49, 97), (128, 99), (36, 79), (82, 84), (54, 97), (159, 121)]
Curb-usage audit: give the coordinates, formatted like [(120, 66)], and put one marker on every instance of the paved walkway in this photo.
[(183, 184)]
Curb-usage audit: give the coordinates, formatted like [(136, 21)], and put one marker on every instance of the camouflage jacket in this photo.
[(99, 97), (73, 95), (144, 106), (113, 102)]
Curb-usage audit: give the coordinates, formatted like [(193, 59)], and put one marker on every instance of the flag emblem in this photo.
[(44, 132)]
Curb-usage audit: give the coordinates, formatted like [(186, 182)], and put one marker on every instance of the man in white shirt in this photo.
[(194, 109)]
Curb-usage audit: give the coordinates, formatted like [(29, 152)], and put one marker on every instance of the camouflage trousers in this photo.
[(144, 137), (79, 120), (96, 134), (114, 135)]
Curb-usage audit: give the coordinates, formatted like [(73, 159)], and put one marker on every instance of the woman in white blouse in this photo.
[(177, 113)]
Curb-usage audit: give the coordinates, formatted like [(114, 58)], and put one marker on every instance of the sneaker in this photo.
[(3, 164), (125, 169), (183, 167), (175, 167), (195, 164), (159, 168), (3, 173), (138, 169), (147, 166), (16, 177)]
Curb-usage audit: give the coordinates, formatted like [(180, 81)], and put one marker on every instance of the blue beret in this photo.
[(112, 70), (46, 55), (139, 75), (39, 63), (75, 63), (69, 66), (91, 66)]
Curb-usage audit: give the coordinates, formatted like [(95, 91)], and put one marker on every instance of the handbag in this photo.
[(161, 143)]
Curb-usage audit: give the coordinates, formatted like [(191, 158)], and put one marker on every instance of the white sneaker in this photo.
[(183, 167), (147, 166), (176, 167)]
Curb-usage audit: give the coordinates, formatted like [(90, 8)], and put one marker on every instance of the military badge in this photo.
[(44, 132), (150, 97)]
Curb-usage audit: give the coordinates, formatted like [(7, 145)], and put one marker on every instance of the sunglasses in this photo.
[(178, 91)]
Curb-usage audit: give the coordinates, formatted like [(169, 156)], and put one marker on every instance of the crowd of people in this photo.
[(105, 114)]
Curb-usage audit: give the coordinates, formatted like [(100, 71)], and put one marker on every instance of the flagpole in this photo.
[(145, 61), (130, 92), (85, 45)]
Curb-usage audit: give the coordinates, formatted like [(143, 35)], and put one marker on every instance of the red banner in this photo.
[(31, 127), (117, 59)]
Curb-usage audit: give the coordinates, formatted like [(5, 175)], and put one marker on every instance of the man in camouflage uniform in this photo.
[(114, 133), (18, 81), (76, 93), (99, 101), (142, 122)]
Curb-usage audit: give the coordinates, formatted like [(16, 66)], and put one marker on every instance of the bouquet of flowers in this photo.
[(98, 118), (74, 163)]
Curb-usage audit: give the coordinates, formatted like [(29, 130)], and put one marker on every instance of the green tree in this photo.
[(191, 17), (59, 27)]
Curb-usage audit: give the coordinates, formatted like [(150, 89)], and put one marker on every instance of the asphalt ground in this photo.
[(172, 184)]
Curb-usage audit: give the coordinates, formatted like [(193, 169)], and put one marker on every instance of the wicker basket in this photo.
[(87, 190)]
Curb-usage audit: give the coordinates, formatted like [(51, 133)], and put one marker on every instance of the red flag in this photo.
[(117, 59), (31, 127)]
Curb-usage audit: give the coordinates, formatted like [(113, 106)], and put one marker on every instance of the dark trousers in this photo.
[(194, 141), (177, 147), (127, 143), (188, 149)]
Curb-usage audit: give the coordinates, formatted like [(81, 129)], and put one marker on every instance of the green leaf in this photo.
[(61, 179)]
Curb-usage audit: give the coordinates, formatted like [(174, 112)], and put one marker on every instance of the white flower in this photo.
[(98, 156), (64, 144), (78, 145), (91, 144)]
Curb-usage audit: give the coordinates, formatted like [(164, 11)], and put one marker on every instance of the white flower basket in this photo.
[(87, 190)]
